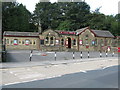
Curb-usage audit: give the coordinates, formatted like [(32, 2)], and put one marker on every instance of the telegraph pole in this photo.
[(0, 31)]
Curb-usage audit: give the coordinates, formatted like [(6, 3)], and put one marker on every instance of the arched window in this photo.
[(15, 41), (101, 42), (7, 41), (47, 40), (51, 40), (95, 41), (62, 42), (74, 42), (27, 42)]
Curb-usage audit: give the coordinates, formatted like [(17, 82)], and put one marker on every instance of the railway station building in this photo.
[(85, 39)]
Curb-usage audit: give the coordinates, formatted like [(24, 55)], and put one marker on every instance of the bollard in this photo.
[(81, 54), (73, 55), (100, 54), (31, 55), (55, 56), (106, 54), (88, 55), (113, 54)]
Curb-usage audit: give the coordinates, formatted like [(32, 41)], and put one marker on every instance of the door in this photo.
[(69, 42)]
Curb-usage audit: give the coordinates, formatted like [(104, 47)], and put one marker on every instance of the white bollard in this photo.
[(81, 54), (106, 54), (113, 54), (55, 55), (31, 55), (88, 55), (100, 54)]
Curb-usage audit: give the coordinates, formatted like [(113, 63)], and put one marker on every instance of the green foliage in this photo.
[(61, 16), (65, 25), (15, 17)]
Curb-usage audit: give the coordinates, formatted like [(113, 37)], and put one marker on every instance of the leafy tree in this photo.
[(15, 17)]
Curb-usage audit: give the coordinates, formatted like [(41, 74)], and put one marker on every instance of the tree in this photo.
[(15, 17), (54, 15)]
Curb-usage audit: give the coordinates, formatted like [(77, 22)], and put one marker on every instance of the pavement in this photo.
[(14, 72), (49, 62)]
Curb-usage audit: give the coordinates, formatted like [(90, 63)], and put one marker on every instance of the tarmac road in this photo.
[(23, 55), (100, 78)]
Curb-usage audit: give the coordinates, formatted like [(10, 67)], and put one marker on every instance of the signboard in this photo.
[(81, 42), (108, 48)]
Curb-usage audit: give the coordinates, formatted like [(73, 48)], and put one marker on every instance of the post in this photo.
[(81, 54), (88, 55), (55, 56), (31, 55), (106, 54), (100, 54), (113, 54), (73, 55)]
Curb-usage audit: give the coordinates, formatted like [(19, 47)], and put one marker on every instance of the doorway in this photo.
[(69, 42)]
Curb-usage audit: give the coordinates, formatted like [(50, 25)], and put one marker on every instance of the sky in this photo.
[(108, 7)]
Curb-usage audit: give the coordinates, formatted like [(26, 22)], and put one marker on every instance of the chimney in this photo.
[(39, 27)]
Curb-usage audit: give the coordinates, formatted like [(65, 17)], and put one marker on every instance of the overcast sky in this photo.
[(108, 7)]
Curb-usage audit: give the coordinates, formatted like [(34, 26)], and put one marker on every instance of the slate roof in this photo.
[(98, 33), (11, 33), (103, 33)]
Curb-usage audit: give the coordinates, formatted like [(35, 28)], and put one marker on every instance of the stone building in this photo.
[(94, 40), (21, 40), (84, 39)]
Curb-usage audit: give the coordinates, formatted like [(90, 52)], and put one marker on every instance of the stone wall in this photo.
[(9, 42)]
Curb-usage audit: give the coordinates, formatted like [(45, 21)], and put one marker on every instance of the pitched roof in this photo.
[(78, 31), (11, 33), (98, 33), (102, 33)]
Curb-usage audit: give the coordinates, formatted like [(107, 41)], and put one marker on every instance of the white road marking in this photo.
[(11, 83), (83, 71)]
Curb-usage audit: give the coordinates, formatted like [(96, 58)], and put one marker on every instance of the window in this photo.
[(57, 42), (101, 42), (93, 42), (34, 42), (7, 41), (30, 42), (19, 42), (42, 42), (62, 42), (11, 42), (47, 40), (86, 42), (15, 41), (22, 42), (51, 40), (87, 35), (74, 42), (27, 42)]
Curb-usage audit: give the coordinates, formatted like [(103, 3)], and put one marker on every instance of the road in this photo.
[(100, 78), (23, 55)]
